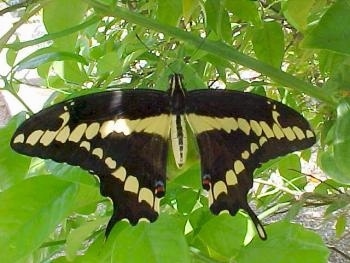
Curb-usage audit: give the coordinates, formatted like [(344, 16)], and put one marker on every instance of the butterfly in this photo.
[(123, 136)]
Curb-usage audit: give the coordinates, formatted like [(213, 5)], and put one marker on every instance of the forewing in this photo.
[(236, 132), (121, 136)]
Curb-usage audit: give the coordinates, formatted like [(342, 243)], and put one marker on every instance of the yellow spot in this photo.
[(199, 123), (309, 134), (120, 173), (219, 187), (245, 155), (63, 135), (231, 178), (65, 117), (125, 220), (48, 137), (253, 147), (243, 125), (19, 138), (160, 125), (267, 130), (156, 204), (146, 194), (78, 133), (123, 126), (131, 184), (34, 137), (277, 131), (289, 133), (156, 124), (86, 145), (227, 124), (110, 163), (299, 133), (238, 166), (210, 198), (143, 219), (262, 140), (275, 114), (106, 128), (92, 130), (223, 212), (211, 121), (256, 127), (98, 152)]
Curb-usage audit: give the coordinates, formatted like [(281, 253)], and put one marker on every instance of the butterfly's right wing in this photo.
[(121, 136)]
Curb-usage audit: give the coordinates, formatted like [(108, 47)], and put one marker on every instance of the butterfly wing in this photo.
[(236, 132), (121, 136)]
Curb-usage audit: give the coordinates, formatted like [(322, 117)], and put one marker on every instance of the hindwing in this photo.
[(236, 132), (121, 136)]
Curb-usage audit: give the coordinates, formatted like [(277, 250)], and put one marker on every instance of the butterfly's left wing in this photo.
[(236, 132), (121, 136)]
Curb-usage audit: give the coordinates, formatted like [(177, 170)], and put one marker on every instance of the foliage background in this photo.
[(293, 51)]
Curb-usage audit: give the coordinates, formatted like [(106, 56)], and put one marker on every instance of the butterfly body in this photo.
[(122, 136)]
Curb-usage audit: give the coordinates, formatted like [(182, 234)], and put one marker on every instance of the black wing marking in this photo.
[(121, 136), (236, 132)]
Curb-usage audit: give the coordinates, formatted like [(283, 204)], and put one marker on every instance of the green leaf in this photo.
[(161, 241), (11, 56), (245, 10), (342, 137), (268, 43), (333, 31), (77, 237), (335, 162), (340, 225), (63, 14), (32, 62), (186, 200), (287, 243), (169, 12), (189, 6), (297, 12), (288, 166), (222, 236), (70, 71), (218, 20), (109, 62), (13, 166), (30, 212)]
